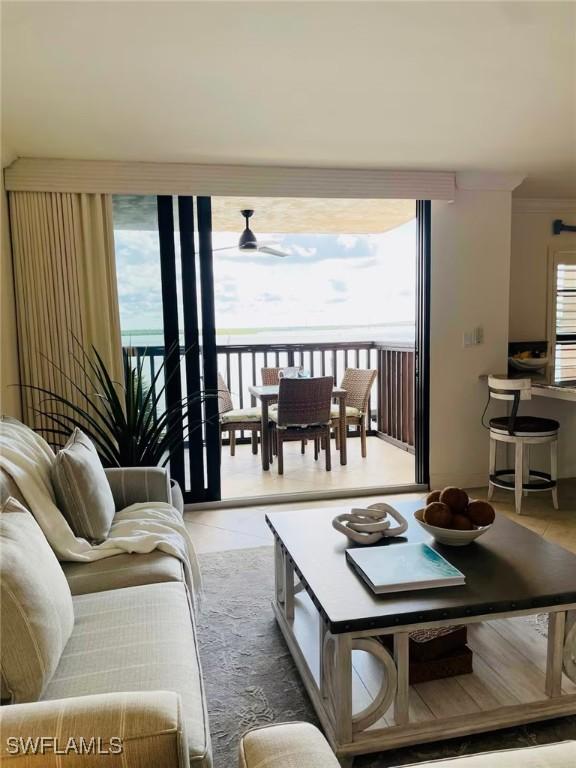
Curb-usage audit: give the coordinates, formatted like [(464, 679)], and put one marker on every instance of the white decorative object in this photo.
[(369, 525), (528, 363), (450, 536)]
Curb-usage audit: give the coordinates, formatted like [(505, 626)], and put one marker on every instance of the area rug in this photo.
[(251, 679)]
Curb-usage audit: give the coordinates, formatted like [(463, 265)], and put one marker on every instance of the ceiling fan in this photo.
[(249, 242)]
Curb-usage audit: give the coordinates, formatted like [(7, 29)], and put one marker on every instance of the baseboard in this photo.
[(460, 480)]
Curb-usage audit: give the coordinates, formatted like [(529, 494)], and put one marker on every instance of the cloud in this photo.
[(347, 241), (339, 286), (365, 263), (226, 291), (322, 282), (272, 298), (301, 249)]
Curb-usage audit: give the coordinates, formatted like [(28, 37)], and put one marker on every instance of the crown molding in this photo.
[(488, 181), (544, 205), (115, 177)]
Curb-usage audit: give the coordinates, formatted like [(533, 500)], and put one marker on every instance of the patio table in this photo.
[(269, 393)]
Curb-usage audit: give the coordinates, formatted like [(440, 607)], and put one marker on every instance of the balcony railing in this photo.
[(391, 405)]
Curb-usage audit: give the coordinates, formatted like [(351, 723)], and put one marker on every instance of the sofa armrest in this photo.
[(129, 730), (130, 485), (301, 745), (288, 744)]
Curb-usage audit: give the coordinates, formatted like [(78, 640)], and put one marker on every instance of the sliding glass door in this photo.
[(168, 280)]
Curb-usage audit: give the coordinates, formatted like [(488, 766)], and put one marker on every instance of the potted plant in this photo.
[(126, 420)]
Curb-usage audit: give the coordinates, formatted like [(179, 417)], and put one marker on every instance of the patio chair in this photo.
[(357, 382), (303, 412), (270, 377), (233, 419)]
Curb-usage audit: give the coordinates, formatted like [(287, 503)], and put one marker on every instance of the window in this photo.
[(563, 316)]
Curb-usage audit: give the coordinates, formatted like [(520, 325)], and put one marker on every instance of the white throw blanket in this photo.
[(142, 528)]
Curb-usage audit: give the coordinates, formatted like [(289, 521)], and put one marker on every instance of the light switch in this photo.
[(473, 337)]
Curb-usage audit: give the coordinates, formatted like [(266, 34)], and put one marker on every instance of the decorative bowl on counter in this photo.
[(528, 363), (450, 536)]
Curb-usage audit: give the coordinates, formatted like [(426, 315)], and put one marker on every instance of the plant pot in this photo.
[(177, 497)]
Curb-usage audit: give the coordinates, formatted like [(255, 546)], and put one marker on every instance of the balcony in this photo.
[(390, 459)]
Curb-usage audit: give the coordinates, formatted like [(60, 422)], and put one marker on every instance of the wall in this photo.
[(470, 287), (9, 395), (532, 240)]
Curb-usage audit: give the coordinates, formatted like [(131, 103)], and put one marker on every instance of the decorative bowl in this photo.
[(450, 536), (528, 363)]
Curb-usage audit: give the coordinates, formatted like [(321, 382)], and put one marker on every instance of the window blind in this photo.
[(565, 320)]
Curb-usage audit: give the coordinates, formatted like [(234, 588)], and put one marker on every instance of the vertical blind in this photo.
[(565, 318)]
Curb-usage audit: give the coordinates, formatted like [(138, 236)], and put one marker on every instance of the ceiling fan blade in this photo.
[(226, 248), (272, 251)]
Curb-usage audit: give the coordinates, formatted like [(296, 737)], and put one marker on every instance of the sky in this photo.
[(334, 280)]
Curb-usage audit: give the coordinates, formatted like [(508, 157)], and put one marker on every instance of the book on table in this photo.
[(403, 567)]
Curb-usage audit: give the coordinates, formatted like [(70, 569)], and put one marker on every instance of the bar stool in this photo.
[(522, 432)]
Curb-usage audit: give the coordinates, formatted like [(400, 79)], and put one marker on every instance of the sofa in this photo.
[(130, 668), (301, 745), (129, 671)]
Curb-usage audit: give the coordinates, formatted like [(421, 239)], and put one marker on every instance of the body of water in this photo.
[(391, 333)]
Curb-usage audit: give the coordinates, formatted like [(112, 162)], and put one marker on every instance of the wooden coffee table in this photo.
[(331, 621)]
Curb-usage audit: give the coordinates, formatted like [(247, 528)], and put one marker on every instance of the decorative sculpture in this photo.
[(369, 525)]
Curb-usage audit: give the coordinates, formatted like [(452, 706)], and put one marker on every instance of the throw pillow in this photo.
[(36, 606), (82, 489)]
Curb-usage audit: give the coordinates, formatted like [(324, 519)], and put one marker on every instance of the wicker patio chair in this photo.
[(270, 377), (303, 413), (357, 382), (233, 419)]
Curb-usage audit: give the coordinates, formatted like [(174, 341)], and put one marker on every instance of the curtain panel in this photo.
[(65, 285)]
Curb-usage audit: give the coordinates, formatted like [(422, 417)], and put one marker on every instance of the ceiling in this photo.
[(412, 85), (279, 214)]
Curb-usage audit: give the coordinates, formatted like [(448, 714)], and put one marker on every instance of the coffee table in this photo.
[(331, 621)]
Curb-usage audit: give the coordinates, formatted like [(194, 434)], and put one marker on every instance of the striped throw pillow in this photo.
[(37, 615), (82, 489)]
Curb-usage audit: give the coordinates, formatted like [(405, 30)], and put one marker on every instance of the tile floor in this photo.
[(384, 464), (217, 530)]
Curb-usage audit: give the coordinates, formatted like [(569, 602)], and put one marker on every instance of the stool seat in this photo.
[(522, 433), (525, 425)]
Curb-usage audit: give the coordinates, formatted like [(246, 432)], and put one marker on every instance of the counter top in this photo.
[(557, 391), (541, 388)]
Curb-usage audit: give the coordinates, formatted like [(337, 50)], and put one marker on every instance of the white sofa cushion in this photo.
[(36, 604), (126, 570), (137, 639), (562, 755), (82, 489), (286, 745)]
